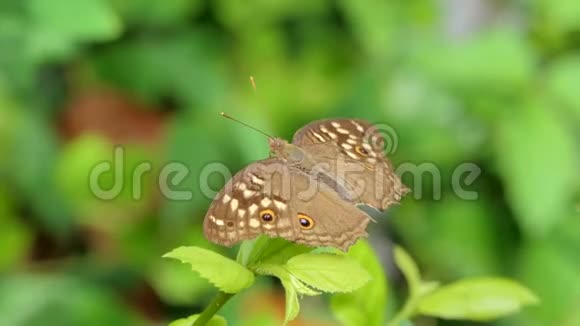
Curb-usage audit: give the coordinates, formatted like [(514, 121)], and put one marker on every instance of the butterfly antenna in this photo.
[(225, 115)]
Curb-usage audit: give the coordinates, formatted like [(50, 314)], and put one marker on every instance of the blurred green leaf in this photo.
[(243, 17), (365, 306), (15, 237), (177, 214), (539, 176), (224, 273), (558, 15), (497, 60), (409, 269), (329, 273), (60, 300), (550, 268), (563, 78), (456, 238), (61, 19), (35, 138), (374, 24), (478, 299), (75, 168), (184, 67), (216, 320), (157, 13)]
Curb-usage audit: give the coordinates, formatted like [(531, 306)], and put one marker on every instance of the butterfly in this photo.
[(308, 191)]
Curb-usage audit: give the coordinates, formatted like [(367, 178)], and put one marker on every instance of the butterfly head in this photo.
[(277, 146), (282, 149)]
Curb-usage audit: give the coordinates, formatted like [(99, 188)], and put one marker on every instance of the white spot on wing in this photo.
[(358, 126), (248, 193), (281, 206), (254, 223), (257, 180), (253, 208), (266, 202), (234, 204), (342, 131), (352, 155), (226, 199), (335, 124), (317, 135), (346, 146), (219, 222), (241, 213)]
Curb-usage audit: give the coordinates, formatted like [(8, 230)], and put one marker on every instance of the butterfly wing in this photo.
[(270, 197), (353, 150)]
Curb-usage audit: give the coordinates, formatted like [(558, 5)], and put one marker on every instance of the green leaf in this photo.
[(365, 306), (550, 268), (280, 271), (61, 300), (303, 288), (409, 269), (155, 14), (15, 237), (175, 284), (292, 304), (498, 60), (329, 273), (373, 24), (479, 299), (216, 320), (454, 237), (562, 79), (226, 274), (266, 250), (61, 18), (539, 176), (427, 287), (558, 15), (290, 285)]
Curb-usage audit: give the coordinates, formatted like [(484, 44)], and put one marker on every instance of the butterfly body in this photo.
[(307, 191)]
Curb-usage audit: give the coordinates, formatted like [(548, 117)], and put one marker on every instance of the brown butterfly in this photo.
[(308, 190)]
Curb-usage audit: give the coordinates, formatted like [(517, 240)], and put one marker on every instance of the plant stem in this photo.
[(220, 299), (404, 313)]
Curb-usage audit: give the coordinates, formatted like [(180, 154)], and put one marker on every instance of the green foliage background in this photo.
[(495, 83)]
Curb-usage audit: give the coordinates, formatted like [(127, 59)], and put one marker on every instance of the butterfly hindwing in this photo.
[(358, 139), (353, 150)]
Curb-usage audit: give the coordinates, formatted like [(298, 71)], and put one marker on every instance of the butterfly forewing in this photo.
[(276, 199)]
